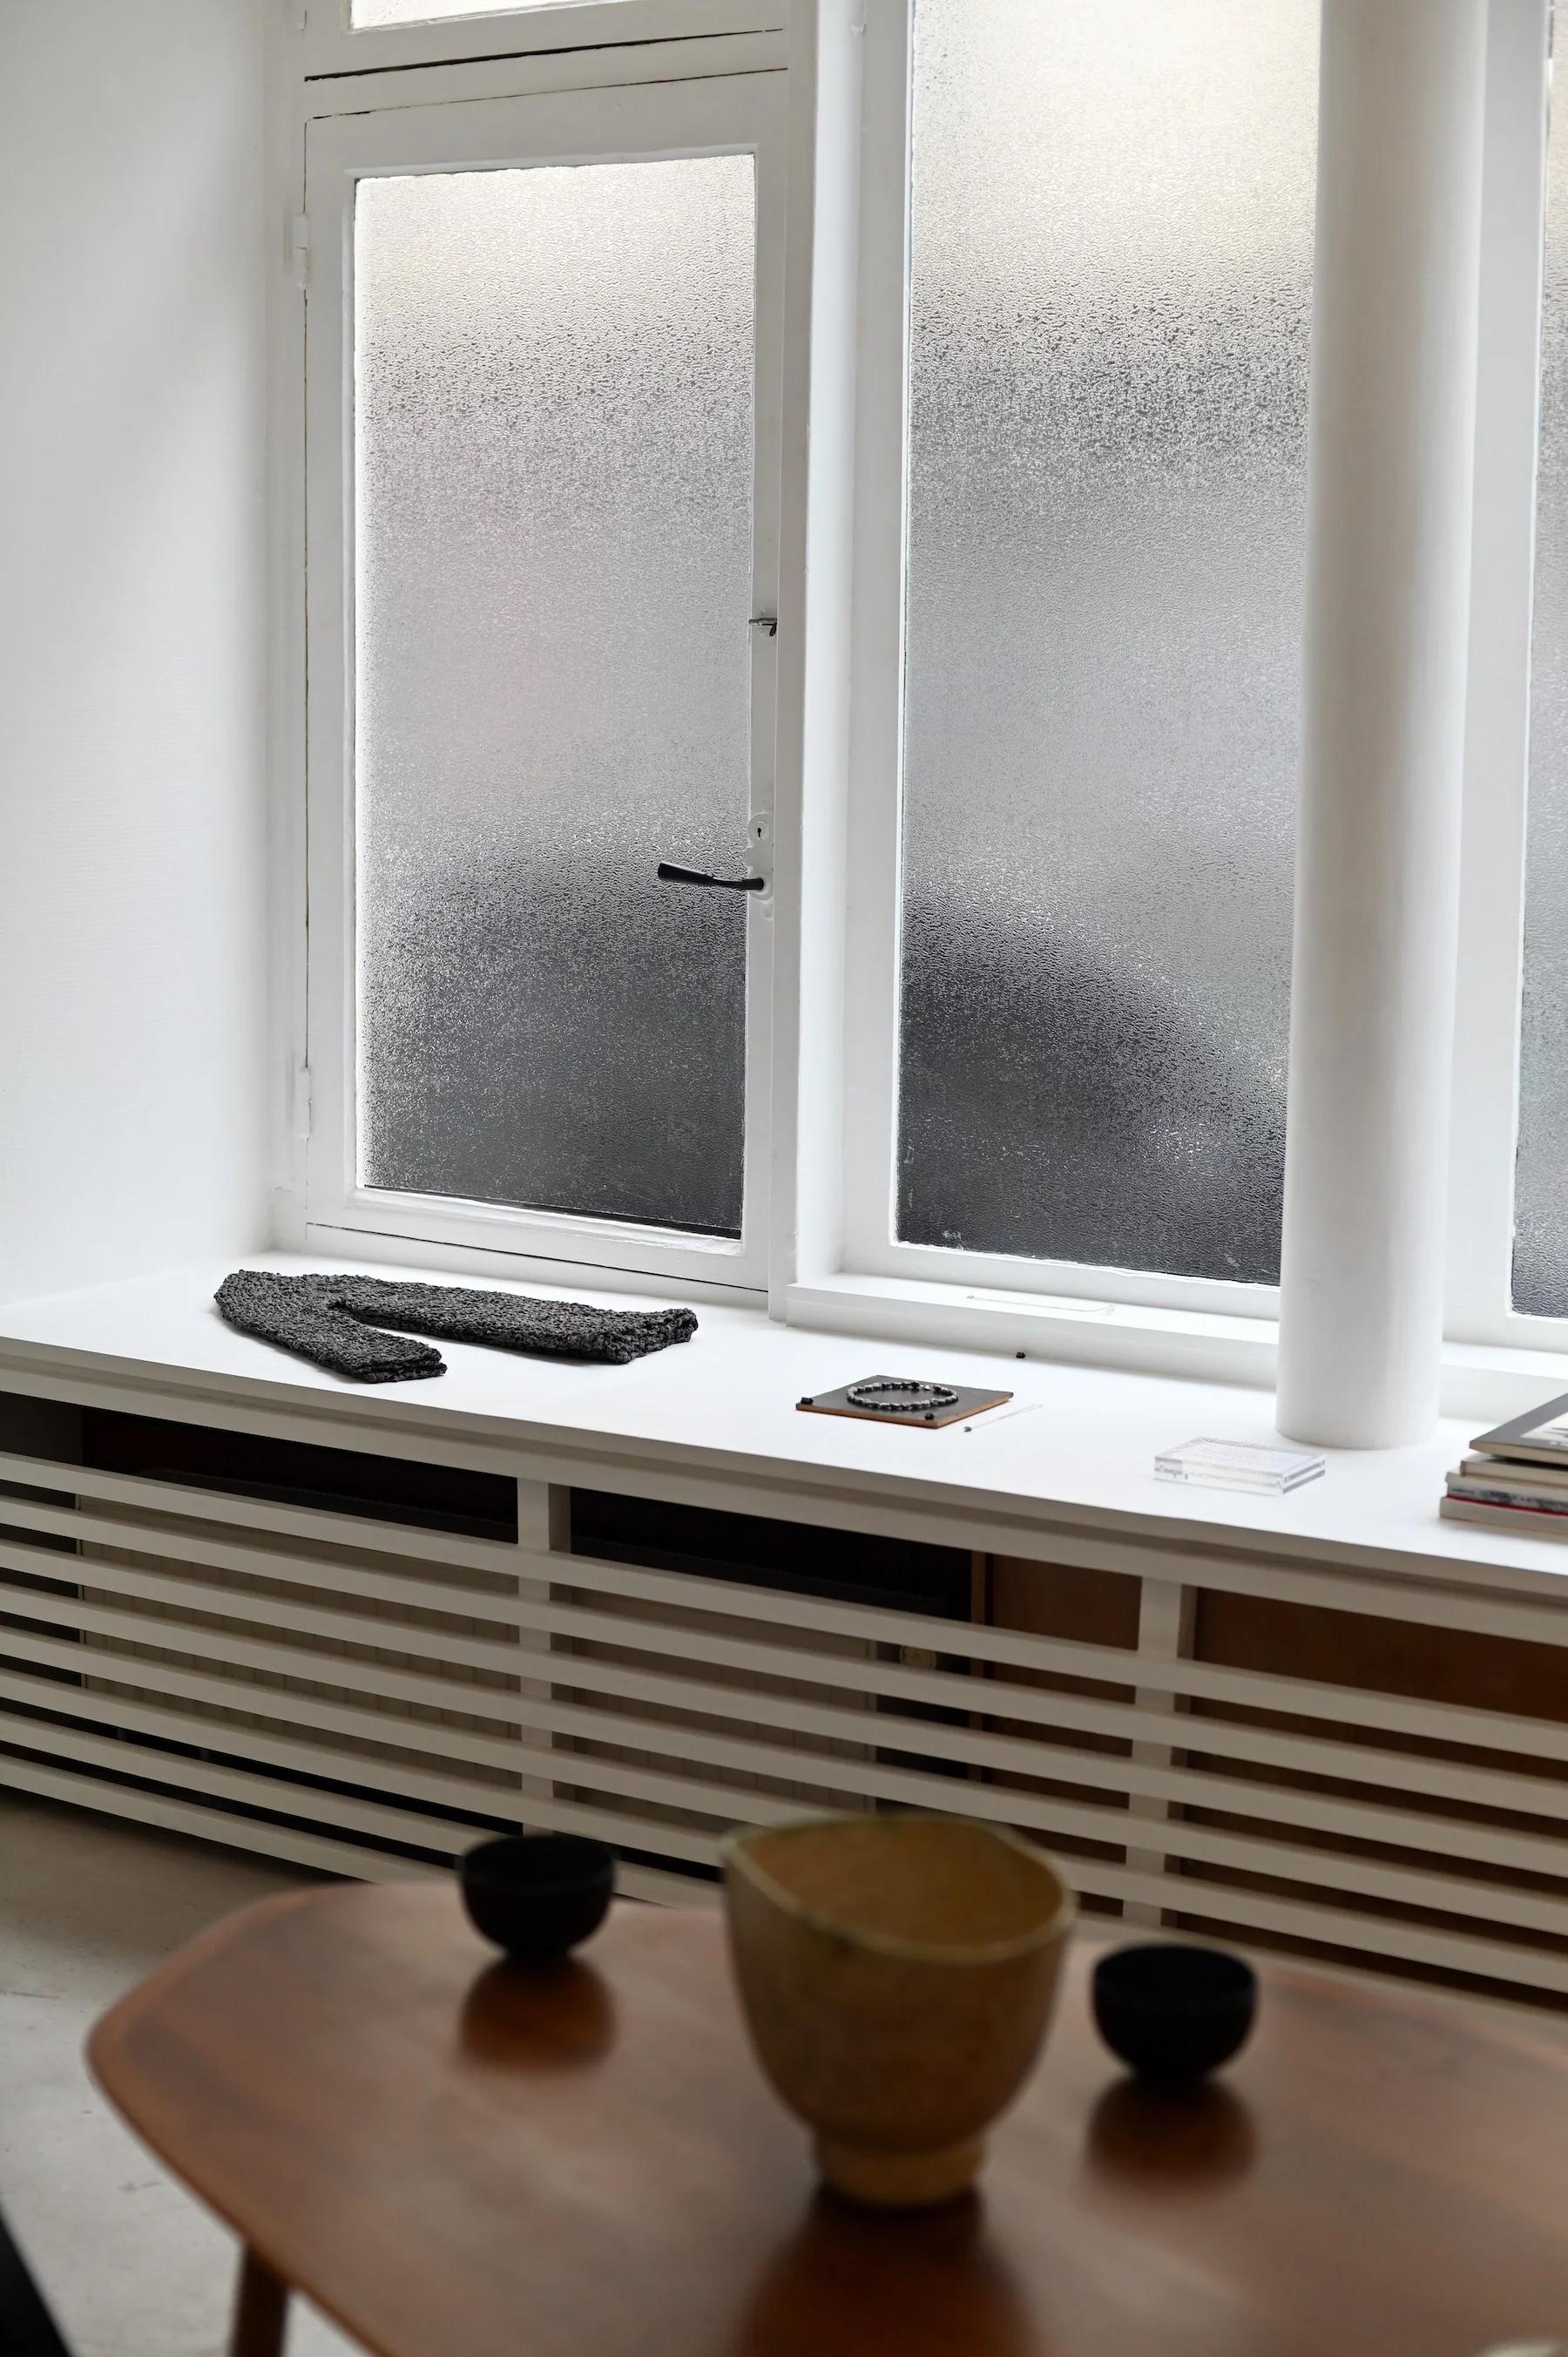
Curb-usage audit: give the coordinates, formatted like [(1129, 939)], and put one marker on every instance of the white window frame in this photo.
[(332, 45), (1484, 1131), (541, 114), (822, 1195)]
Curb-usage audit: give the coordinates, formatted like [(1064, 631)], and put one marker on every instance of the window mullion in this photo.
[(1486, 1027)]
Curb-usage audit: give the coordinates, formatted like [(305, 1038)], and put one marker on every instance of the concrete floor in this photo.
[(132, 2265)]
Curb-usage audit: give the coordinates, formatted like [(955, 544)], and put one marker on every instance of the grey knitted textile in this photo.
[(332, 1321)]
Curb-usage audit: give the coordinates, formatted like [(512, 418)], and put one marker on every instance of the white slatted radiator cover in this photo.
[(362, 1697)]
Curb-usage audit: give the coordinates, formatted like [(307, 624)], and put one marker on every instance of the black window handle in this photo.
[(672, 875)]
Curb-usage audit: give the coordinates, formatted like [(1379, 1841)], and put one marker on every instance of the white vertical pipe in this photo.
[(1391, 443)]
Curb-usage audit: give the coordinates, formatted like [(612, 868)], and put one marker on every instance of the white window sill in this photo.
[(715, 1421)]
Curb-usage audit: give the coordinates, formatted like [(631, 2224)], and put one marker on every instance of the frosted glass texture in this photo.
[(1540, 1179), (1111, 246), (366, 12), (553, 462)]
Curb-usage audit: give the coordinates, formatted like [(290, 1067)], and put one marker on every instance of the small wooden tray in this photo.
[(925, 1406)]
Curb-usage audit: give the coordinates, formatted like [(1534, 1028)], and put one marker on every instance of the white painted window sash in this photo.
[(715, 114), (869, 1249), (330, 45)]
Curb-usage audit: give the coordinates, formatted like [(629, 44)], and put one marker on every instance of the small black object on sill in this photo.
[(1173, 2013), (537, 1896)]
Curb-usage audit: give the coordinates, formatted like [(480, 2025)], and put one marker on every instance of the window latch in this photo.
[(672, 875)]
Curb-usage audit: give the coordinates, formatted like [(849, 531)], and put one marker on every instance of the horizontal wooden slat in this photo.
[(1309, 1811), (386, 1824), (1447, 1722), (300, 1757), (1141, 1723), (887, 1680), (196, 1595), (403, 1591), (625, 1780), (337, 1809), (320, 1525), (523, 1806), (249, 1694), (1054, 1815), (1433, 1605), (1244, 1910), (1018, 1650), (282, 1660)]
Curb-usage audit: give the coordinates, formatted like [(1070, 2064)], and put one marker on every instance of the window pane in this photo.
[(553, 374), (365, 12), (1541, 1201), (1113, 216)]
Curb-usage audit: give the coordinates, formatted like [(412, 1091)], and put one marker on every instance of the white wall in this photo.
[(132, 635)]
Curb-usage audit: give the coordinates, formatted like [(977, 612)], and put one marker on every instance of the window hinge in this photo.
[(302, 1101), (300, 249)]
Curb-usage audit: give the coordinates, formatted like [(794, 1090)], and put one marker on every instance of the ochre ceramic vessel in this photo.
[(897, 1974)]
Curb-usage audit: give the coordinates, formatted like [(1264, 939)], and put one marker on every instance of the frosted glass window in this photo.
[(1111, 248), (1540, 1199), (365, 12), (553, 374)]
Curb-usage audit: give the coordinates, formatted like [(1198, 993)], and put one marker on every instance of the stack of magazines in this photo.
[(1517, 1477)]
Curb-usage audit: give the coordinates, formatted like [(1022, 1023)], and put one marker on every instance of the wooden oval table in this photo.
[(456, 2159)]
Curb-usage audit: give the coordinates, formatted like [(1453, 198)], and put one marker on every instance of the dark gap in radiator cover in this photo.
[(299, 1473), (759, 1551), (306, 1474)]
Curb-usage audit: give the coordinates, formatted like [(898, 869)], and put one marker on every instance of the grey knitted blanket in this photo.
[(332, 1321)]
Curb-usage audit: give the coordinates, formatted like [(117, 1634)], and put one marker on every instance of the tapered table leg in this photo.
[(260, 2310)]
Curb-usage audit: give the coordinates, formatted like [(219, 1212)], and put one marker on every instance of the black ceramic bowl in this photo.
[(538, 1894), (1173, 2014)]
